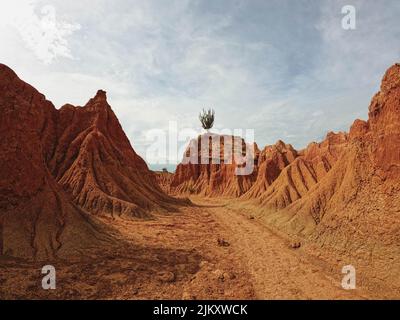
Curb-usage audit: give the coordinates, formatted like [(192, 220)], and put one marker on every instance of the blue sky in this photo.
[(286, 69)]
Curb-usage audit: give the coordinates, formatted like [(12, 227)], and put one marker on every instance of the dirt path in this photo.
[(173, 256), (205, 251), (277, 271)]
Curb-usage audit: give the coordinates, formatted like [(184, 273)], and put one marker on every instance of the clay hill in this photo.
[(342, 194), (164, 179), (209, 167), (58, 168), (94, 162), (211, 175)]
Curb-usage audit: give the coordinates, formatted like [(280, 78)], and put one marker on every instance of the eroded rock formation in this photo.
[(38, 219), (57, 167), (94, 161), (211, 164), (342, 194)]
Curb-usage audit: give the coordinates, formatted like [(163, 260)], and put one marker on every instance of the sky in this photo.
[(285, 69)]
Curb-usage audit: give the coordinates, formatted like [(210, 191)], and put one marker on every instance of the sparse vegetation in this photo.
[(207, 118)]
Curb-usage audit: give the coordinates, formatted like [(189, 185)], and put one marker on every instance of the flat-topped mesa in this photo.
[(216, 149), (213, 165)]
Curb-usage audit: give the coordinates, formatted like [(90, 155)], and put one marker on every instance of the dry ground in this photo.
[(207, 251)]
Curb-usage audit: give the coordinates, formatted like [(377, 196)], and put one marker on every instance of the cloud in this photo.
[(286, 69), (41, 32)]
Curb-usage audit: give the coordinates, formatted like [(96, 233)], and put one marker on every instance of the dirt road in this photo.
[(205, 251), (277, 271)]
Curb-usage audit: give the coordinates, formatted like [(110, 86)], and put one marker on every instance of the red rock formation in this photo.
[(342, 194), (369, 165), (37, 218), (331, 174), (164, 179), (94, 162), (56, 166), (302, 173), (212, 165), (384, 124), (271, 162), (281, 174), (353, 210)]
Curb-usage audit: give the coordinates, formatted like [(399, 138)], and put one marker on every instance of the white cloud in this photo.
[(286, 69), (41, 32)]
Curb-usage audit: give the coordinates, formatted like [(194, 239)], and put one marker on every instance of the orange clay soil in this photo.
[(206, 251)]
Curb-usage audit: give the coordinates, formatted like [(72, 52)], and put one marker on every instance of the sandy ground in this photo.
[(277, 270), (206, 251)]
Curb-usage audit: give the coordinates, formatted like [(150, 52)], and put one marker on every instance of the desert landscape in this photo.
[(74, 194)]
